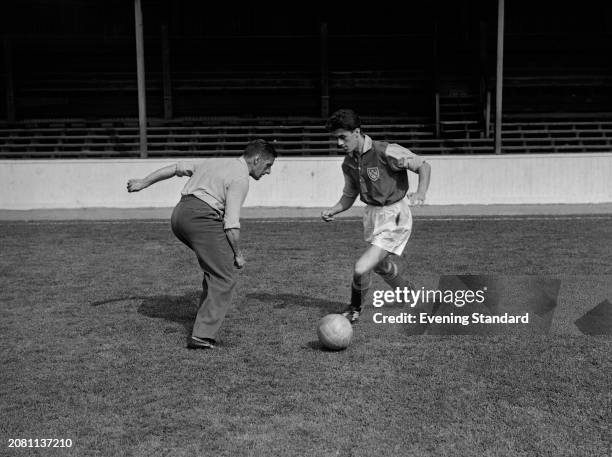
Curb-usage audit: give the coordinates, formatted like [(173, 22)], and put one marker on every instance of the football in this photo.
[(335, 332)]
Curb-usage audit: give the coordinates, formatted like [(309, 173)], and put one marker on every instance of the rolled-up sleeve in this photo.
[(401, 158), (234, 199), (185, 168)]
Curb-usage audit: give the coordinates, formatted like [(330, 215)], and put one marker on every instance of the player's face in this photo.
[(262, 166), (347, 140)]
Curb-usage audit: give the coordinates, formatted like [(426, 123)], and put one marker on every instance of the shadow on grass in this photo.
[(317, 346), (181, 309), (282, 301)]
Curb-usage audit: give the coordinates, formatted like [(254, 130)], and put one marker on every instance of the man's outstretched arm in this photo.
[(134, 185)]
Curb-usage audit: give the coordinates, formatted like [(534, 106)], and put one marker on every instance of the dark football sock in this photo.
[(359, 291), (390, 272)]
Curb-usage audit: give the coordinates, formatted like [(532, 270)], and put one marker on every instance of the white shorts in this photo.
[(388, 227)]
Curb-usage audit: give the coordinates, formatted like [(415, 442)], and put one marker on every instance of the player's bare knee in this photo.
[(360, 269)]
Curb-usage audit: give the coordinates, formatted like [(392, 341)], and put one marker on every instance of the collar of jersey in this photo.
[(367, 145)]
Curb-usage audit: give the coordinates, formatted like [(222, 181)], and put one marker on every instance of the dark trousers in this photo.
[(200, 228)]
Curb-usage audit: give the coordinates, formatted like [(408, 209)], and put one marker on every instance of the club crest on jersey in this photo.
[(373, 173)]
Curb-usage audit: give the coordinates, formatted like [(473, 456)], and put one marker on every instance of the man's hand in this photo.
[(239, 261), (134, 185), (416, 198), (327, 215)]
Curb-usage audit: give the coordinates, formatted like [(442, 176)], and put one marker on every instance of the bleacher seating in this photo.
[(190, 137), (65, 94), (557, 72), (558, 135), (548, 91), (246, 87), (293, 137)]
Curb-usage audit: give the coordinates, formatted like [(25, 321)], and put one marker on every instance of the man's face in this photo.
[(261, 166), (347, 140)]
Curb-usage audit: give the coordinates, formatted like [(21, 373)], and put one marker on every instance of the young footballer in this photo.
[(376, 172), (207, 221)]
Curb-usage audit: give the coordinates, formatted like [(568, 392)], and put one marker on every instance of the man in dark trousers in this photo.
[(207, 220), (376, 172)]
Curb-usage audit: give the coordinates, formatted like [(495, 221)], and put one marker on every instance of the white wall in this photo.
[(312, 182)]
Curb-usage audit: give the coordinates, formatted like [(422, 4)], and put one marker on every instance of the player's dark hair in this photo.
[(345, 119), (259, 147)]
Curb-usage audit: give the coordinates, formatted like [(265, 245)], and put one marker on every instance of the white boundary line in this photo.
[(483, 218)]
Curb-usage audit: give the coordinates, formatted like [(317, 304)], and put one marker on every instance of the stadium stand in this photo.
[(76, 95), (300, 136), (187, 137)]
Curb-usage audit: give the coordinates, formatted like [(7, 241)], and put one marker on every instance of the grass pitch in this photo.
[(95, 316)]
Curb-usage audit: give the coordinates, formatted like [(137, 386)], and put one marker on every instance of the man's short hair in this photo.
[(344, 119), (259, 147)]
